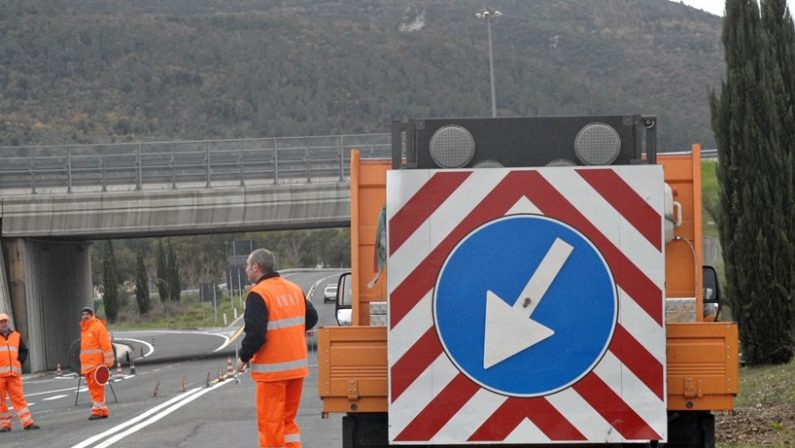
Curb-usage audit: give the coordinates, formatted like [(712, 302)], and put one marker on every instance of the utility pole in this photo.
[(488, 14)]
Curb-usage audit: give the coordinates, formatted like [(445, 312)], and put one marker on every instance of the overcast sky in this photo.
[(716, 6)]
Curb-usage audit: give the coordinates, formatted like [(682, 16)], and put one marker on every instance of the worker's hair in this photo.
[(264, 259)]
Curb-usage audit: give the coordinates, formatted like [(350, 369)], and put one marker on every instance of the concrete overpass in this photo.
[(54, 201)]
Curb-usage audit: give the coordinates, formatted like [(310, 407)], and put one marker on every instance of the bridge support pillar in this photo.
[(48, 282), (5, 295)]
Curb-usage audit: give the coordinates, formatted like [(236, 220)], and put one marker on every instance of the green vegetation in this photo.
[(189, 313), (709, 197), (767, 385), (92, 71), (755, 132)]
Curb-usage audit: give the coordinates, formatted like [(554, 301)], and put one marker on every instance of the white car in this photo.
[(330, 293)]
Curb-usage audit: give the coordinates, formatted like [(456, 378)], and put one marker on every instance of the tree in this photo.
[(110, 278), (162, 273), (753, 193), (174, 284), (778, 22), (141, 285)]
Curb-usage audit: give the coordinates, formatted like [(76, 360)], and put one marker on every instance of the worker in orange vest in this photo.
[(96, 350), (277, 317), (12, 354)]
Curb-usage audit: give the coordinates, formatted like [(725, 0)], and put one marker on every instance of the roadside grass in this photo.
[(188, 313), (766, 385), (765, 409)]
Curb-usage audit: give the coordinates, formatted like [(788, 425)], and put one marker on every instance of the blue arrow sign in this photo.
[(525, 305)]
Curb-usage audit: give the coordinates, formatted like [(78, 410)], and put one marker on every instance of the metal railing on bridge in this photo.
[(183, 164)]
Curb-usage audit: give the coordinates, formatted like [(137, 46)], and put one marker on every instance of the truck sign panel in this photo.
[(526, 305)]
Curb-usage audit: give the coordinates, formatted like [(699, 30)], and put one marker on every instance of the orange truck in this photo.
[(527, 281)]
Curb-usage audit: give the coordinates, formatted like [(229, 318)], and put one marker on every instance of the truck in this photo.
[(528, 281)]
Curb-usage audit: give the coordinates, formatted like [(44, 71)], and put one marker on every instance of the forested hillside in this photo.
[(109, 70)]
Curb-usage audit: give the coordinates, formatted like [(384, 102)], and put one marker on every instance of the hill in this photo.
[(107, 70)]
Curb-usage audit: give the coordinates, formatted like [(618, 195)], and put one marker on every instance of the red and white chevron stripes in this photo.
[(619, 209)]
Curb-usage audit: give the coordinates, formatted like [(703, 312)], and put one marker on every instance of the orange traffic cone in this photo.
[(118, 369), (58, 370), (229, 369)]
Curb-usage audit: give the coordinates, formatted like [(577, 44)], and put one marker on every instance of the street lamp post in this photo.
[(488, 14)]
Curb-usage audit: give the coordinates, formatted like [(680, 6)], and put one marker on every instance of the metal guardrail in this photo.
[(207, 163)]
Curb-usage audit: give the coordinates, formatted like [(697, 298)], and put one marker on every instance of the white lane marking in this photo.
[(55, 397), (223, 344), (173, 405), (135, 420), (48, 392), (148, 345)]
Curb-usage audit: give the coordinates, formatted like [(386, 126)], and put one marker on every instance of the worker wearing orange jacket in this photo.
[(95, 351), (12, 354), (276, 319)]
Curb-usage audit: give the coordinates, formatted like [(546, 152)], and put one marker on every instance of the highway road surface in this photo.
[(167, 402)]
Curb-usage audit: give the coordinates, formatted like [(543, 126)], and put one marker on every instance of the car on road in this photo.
[(330, 293)]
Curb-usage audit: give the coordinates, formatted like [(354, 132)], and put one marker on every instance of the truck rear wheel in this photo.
[(691, 429), (365, 431)]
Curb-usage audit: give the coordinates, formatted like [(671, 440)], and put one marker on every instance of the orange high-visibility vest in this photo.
[(9, 356), (283, 355), (95, 347)]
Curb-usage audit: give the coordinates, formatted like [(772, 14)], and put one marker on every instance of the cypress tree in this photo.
[(141, 285), (110, 278), (174, 286), (162, 273), (778, 23), (753, 190)]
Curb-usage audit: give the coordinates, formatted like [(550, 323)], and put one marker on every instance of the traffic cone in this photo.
[(118, 369), (229, 369), (58, 370)]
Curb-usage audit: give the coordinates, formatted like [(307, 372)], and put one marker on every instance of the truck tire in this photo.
[(691, 429), (365, 431)]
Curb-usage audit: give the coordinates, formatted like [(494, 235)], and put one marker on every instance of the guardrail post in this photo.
[(341, 157), (102, 172), (140, 180), (240, 166), (68, 169), (173, 171), (308, 163), (207, 164), (31, 170), (275, 161)]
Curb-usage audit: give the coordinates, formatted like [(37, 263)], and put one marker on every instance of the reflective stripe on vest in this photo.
[(284, 323), (292, 438), (10, 369), (279, 367), (6, 348), (91, 351)]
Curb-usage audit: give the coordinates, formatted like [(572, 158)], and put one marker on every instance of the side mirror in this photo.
[(711, 292), (343, 308)]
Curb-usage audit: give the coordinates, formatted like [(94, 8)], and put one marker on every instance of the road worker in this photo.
[(12, 354), (276, 319), (96, 350)]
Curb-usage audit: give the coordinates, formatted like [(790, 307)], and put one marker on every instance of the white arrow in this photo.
[(509, 329)]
